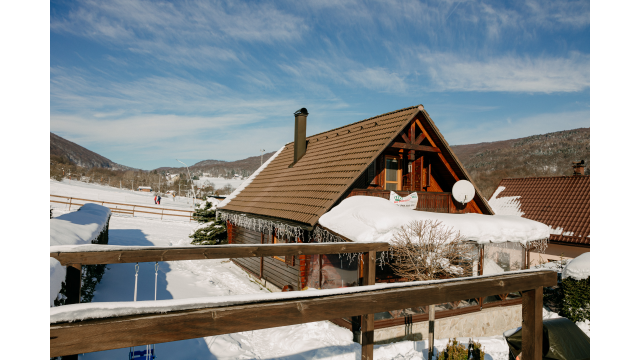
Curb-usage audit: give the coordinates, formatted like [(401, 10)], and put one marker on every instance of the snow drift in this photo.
[(368, 218)]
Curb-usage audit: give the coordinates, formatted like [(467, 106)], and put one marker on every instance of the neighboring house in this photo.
[(401, 151), (144, 188), (561, 202)]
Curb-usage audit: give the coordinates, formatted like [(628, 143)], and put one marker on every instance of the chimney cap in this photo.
[(302, 111)]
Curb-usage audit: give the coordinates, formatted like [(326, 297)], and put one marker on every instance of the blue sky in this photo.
[(146, 82)]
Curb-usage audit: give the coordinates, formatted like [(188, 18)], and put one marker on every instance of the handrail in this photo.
[(113, 254), (254, 312)]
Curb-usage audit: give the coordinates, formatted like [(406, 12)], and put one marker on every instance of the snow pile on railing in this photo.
[(102, 310), (579, 268), (368, 218), (249, 180), (74, 228)]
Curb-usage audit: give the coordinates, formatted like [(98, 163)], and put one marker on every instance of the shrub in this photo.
[(456, 351), (212, 231), (576, 299)]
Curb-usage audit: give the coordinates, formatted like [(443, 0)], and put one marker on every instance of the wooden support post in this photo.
[(261, 258), (432, 328), (368, 278), (161, 214), (133, 214), (532, 324), (73, 282), (70, 201)]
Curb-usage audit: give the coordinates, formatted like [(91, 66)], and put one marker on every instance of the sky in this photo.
[(144, 83)]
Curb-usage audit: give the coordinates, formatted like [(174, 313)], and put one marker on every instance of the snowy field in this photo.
[(82, 190), (218, 183)]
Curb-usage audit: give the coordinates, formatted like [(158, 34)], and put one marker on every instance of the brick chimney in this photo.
[(578, 168), (300, 134)]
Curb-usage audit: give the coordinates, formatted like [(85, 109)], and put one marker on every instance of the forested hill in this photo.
[(244, 167), (538, 155), (64, 151)]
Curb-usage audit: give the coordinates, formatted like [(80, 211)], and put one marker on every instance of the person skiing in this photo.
[(155, 199), (159, 197)]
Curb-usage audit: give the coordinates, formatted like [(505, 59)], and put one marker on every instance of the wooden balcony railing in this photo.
[(427, 201)]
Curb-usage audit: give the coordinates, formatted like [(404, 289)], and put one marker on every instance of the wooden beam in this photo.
[(399, 145), (368, 278), (120, 332), (121, 254), (419, 139), (406, 138), (532, 324)]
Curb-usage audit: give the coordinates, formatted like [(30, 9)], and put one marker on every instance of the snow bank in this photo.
[(249, 180), (79, 227), (99, 310), (74, 228), (578, 268), (368, 218)]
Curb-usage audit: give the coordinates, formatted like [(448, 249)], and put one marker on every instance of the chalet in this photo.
[(561, 202), (144, 188), (402, 152)]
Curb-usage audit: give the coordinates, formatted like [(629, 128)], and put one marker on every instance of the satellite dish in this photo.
[(463, 191)]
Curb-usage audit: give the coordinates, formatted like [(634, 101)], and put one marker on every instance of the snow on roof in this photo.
[(368, 218), (249, 180), (144, 187), (506, 205), (578, 268), (74, 228)]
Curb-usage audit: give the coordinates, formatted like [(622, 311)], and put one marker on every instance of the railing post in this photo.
[(368, 278), (73, 283), (161, 214), (70, 201), (532, 324), (432, 328), (133, 214)]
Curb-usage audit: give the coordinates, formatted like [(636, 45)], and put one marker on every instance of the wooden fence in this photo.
[(132, 211), (134, 330)]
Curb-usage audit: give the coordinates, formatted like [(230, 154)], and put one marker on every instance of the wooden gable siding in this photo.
[(274, 271), (441, 175)]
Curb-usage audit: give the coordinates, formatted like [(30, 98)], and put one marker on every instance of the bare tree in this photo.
[(427, 250)]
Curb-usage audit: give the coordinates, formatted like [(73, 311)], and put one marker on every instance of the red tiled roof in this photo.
[(562, 202)]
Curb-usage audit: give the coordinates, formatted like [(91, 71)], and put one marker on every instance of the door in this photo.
[(393, 173)]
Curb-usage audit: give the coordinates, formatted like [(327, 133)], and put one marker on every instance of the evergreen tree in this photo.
[(211, 231)]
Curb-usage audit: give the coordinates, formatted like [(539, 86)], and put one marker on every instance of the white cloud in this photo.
[(508, 73)]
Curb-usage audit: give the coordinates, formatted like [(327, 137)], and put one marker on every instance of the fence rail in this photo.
[(163, 211), (133, 330)]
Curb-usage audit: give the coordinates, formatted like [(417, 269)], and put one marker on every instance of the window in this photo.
[(289, 260), (393, 173)]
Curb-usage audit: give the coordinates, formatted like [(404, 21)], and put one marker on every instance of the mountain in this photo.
[(80, 156), (244, 167), (538, 155)]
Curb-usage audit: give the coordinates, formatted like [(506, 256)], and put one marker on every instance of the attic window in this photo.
[(393, 173)]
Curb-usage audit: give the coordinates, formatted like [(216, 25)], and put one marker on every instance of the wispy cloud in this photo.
[(508, 73)]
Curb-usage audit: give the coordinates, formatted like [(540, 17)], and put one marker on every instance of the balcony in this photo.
[(439, 202)]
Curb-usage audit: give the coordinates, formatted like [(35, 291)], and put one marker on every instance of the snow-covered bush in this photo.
[(427, 250), (210, 231), (576, 299)]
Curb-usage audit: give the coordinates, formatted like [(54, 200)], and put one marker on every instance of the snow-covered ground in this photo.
[(219, 183), (79, 189)]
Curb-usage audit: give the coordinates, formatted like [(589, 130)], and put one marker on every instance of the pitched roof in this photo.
[(333, 161), (561, 202)]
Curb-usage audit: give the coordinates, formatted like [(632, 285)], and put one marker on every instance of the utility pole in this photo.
[(261, 153)]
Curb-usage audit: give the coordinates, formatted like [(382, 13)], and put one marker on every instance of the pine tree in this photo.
[(211, 231)]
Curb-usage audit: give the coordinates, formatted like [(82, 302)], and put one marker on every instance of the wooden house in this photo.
[(401, 151), (561, 202), (144, 188)]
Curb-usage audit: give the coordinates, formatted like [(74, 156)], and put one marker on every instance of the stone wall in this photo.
[(487, 322)]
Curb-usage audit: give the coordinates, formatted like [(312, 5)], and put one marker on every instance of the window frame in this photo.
[(398, 181)]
